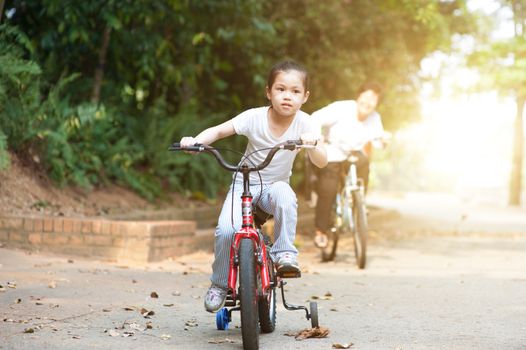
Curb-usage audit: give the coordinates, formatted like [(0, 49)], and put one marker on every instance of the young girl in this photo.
[(287, 91)]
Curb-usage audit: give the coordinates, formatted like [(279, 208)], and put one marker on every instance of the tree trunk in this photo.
[(99, 71), (2, 2), (518, 155)]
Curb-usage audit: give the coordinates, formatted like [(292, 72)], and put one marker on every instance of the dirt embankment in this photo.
[(25, 189)]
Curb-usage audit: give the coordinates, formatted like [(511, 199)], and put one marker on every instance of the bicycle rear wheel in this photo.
[(267, 303), (248, 295), (360, 229)]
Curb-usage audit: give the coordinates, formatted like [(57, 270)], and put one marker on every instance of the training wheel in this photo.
[(222, 319), (314, 314)]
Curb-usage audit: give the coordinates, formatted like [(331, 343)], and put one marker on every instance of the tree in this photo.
[(502, 64), (149, 72), (344, 43), (2, 2)]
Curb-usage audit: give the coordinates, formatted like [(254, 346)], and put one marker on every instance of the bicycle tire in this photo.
[(313, 307), (329, 253), (248, 295), (360, 229), (267, 304)]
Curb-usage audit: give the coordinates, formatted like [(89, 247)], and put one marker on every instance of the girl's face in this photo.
[(287, 94), (367, 102)]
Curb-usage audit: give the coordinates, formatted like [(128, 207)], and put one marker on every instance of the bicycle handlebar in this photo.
[(288, 145)]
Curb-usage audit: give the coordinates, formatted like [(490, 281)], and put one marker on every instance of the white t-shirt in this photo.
[(253, 124), (346, 132)]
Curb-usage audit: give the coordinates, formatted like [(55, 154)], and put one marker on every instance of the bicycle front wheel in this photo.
[(248, 295), (360, 229)]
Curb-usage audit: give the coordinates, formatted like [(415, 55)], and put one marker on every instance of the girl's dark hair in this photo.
[(285, 66), (370, 85)]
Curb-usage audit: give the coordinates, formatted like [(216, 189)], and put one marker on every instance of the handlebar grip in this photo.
[(176, 146), (293, 144)]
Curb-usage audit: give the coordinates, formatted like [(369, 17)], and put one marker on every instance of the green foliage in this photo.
[(172, 68), (345, 43), (4, 156), (19, 85)]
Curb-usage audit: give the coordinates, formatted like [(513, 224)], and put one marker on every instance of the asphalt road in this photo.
[(436, 288)]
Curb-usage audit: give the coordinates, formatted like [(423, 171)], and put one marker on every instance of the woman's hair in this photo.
[(370, 85), (285, 66)]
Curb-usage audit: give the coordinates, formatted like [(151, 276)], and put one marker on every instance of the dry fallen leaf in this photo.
[(18, 301), (146, 314), (176, 293), (342, 346), (11, 285), (2, 288), (29, 330), (318, 332), (127, 334), (165, 336), (154, 295), (220, 341), (52, 285), (168, 305)]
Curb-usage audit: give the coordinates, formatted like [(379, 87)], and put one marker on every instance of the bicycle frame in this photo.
[(267, 281), (351, 184), (248, 231)]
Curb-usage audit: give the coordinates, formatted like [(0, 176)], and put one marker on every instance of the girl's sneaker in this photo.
[(287, 263), (215, 298)]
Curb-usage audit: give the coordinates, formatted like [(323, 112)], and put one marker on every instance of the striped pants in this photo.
[(277, 199)]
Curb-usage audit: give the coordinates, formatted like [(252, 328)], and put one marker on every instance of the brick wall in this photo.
[(136, 240)]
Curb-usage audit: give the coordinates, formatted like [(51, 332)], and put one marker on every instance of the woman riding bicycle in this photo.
[(287, 91), (347, 126)]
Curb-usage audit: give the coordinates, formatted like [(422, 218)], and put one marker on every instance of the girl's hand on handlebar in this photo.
[(188, 141)]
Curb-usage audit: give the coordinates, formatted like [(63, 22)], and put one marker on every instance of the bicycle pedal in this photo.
[(289, 274), (229, 301)]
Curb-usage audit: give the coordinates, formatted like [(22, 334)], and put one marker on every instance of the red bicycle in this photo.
[(252, 278)]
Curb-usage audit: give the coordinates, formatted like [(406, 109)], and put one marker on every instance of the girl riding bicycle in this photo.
[(287, 91)]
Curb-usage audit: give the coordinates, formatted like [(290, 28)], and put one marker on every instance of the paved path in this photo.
[(432, 289)]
